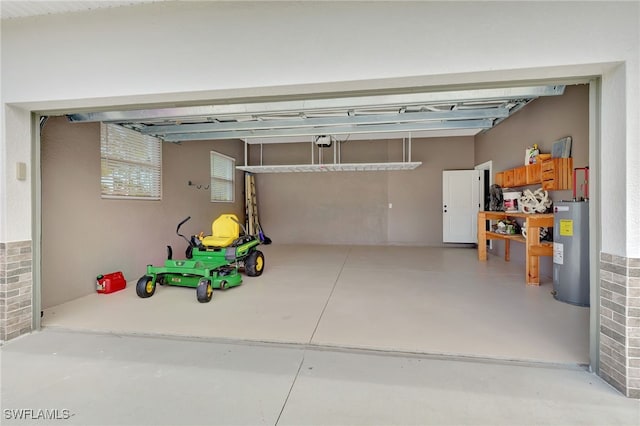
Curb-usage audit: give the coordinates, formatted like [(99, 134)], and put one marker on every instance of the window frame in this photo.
[(231, 181), (115, 158)]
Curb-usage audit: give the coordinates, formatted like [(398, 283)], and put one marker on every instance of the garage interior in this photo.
[(358, 259)]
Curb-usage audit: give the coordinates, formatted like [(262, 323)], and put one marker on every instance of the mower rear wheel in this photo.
[(204, 291), (254, 265), (145, 287)]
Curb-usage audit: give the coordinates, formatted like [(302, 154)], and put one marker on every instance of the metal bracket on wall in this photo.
[(197, 185)]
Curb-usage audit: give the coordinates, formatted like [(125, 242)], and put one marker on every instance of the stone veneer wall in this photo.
[(16, 286), (620, 323)]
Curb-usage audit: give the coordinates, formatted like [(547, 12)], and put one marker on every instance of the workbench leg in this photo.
[(533, 272), (507, 250), (482, 237), (533, 262)]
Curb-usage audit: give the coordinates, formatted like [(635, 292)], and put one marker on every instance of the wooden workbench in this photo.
[(533, 247)]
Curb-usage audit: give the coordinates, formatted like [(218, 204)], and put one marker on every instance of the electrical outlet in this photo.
[(390, 205)]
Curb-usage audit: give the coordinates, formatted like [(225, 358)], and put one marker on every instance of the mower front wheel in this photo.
[(204, 291), (161, 279), (145, 287), (254, 265)]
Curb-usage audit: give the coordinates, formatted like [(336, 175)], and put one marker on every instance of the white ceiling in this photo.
[(12, 9)]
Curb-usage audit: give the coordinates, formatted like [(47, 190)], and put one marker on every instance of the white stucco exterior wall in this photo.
[(3, 177), (175, 51), (18, 195), (613, 159)]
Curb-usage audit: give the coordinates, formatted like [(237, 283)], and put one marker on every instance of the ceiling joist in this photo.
[(331, 130), (263, 124), (271, 122)]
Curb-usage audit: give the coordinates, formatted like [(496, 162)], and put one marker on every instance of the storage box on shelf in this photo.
[(508, 178), (551, 173), (520, 176), (534, 248), (557, 173), (534, 175)]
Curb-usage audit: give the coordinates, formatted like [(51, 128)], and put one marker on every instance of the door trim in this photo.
[(487, 165)]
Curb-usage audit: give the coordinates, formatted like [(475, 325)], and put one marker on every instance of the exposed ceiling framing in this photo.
[(419, 114)]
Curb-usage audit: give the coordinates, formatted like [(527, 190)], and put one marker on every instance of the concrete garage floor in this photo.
[(105, 379), (405, 299), (115, 359)]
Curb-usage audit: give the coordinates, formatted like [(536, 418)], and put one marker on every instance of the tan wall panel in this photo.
[(353, 207), (84, 235), (543, 121), (416, 196), (324, 208)]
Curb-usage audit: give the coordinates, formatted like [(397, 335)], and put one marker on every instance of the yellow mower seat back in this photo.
[(224, 231)]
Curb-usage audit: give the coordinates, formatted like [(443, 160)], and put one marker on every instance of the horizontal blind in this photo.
[(131, 163), (222, 177)]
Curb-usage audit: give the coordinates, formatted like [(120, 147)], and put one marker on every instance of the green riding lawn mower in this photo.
[(212, 262)]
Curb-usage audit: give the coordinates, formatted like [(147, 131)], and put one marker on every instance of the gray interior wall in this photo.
[(543, 121), (353, 207), (84, 235)]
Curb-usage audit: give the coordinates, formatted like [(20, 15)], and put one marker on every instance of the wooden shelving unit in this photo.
[(534, 247), (534, 175), (552, 174), (557, 173), (520, 176)]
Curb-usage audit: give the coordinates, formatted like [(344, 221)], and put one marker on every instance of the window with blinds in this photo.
[(131, 164), (222, 178)]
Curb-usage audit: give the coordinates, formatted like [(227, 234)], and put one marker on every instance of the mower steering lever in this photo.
[(178, 230), (182, 223)]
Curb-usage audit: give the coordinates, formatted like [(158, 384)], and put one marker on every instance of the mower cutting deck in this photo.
[(213, 262)]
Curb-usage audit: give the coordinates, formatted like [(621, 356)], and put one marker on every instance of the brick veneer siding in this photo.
[(16, 289), (620, 323)]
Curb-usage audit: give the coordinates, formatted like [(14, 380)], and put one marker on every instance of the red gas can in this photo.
[(110, 282)]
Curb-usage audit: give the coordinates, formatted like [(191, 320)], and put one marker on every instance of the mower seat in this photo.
[(224, 231)]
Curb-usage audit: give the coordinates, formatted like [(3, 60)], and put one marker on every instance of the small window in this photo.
[(222, 178), (131, 164)]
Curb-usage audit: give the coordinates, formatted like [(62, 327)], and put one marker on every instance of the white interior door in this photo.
[(460, 205)]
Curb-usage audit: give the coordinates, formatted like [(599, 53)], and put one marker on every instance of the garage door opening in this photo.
[(357, 260)]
